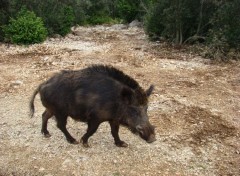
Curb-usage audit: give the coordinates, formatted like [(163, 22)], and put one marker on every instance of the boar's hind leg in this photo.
[(114, 131), (92, 128), (45, 116), (61, 124)]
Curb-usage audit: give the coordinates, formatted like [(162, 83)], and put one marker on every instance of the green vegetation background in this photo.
[(211, 23)]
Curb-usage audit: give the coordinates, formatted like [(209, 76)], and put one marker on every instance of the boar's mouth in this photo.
[(146, 132), (151, 138), (132, 129)]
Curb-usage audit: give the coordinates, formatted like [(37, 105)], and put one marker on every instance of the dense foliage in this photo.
[(214, 23), (225, 28)]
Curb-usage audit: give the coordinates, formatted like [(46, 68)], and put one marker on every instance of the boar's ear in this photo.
[(149, 90), (127, 95)]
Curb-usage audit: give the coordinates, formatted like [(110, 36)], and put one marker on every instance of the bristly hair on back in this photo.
[(115, 74), (121, 77)]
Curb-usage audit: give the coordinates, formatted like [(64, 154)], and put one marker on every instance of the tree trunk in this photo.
[(200, 17), (179, 34)]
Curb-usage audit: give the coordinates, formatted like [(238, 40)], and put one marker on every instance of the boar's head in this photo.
[(135, 112)]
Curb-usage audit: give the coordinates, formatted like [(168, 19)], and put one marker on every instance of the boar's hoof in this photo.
[(46, 134), (75, 142), (85, 144), (121, 144), (72, 141)]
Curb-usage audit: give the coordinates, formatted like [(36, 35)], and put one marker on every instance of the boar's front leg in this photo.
[(114, 130), (92, 128), (61, 124)]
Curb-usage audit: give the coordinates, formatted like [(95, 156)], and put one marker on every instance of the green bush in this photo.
[(154, 20), (225, 31), (65, 21), (3, 16), (127, 9), (2, 22), (27, 28), (96, 20), (175, 20), (58, 18)]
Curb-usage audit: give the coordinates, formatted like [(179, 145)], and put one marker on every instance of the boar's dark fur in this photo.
[(93, 95)]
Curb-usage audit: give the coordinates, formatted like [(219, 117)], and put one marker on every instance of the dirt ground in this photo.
[(195, 108)]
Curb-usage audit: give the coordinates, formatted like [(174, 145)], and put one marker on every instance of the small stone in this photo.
[(16, 83), (66, 163), (41, 169), (119, 26), (135, 23)]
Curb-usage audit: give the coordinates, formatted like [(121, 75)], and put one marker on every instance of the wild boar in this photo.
[(94, 95)]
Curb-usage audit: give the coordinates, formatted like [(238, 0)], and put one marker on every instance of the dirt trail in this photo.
[(195, 107)]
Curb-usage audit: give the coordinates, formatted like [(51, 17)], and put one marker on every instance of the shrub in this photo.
[(225, 22), (154, 23), (66, 21), (127, 9), (174, 20), (96, 20), (27, 28), (3, 16), (60, 21)]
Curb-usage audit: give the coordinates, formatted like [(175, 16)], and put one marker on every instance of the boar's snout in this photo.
[(147, 133), (151, 139)]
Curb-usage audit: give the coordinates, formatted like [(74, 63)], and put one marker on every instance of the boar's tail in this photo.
[(31, 104)]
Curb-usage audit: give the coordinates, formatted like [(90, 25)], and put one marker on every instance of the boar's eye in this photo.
[(144, 108), (134, 111)]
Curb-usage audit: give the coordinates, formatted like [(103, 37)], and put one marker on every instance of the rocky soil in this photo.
[(195, 107)]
